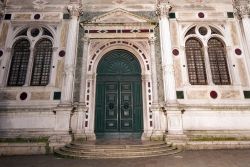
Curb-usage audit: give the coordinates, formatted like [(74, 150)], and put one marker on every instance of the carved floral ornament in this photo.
[(242, 9), (163, 7), (75, 9)]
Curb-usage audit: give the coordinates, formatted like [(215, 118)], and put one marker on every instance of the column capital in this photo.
[(75, 9), (163, 7), (242, 10)]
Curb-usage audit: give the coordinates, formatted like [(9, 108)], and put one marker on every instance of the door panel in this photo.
[(117, 113), (126, 107), (111, 103)]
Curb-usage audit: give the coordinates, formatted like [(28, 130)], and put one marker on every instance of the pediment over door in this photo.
[(118, 16)]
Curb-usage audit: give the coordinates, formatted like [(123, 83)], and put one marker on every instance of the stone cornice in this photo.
[(163, 7)]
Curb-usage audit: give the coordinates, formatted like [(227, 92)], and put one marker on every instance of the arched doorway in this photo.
[(118, 106)]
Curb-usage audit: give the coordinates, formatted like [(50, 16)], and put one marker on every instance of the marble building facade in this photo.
[(193, 58)]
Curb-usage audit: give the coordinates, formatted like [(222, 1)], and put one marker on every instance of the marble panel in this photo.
[(197, 94), (242, 73), (40, 96), (3, 34), (178, 74), (8, 96), (59, 73), (22, 16), (64, 33), (230, 94), (234, 34)]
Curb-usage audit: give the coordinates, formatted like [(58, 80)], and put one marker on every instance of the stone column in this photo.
[(81, 109), (158, 115), (69, 67), (162, 11), (173, 113), (63, 111), (243, 13)]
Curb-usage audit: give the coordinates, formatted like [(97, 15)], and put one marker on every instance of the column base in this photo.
[(174, 119), (80, 137), (176, 140), (159, 123), (59, 140), (146, 135), (90, 136), (157, 136)]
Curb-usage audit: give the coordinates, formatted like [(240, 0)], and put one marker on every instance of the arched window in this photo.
[(42, 63), (195, 62), (19, 63), (218, 62)]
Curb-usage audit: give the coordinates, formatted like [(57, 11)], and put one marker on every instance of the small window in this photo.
[(218, 62), (19, 63), (195, 62)]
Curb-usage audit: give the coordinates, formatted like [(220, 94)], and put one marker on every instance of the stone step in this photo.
[(95, 151), (117, 148), (117, 151), (93, 145), (108, 156)]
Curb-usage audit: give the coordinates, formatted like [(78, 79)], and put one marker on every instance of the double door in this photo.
[(118, 106)]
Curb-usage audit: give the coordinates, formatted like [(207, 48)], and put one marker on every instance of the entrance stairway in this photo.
[(121, 149)]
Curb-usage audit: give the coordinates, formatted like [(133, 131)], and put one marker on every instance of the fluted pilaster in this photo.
[(67, 90), (242, 11), (162, 10)]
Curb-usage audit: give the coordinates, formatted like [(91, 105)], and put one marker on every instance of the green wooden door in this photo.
[(118, 94)]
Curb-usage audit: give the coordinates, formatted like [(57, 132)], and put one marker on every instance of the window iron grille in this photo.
[(195, 62), (42, 63), (218, 62), (19, 63)]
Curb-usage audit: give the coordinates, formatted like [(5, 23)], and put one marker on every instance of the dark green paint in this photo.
[(118, 94)]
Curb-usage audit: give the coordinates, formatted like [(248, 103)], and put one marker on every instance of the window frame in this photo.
[(33, 65), (204, 40), (196, 69), (11, 61), (33, 41)]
